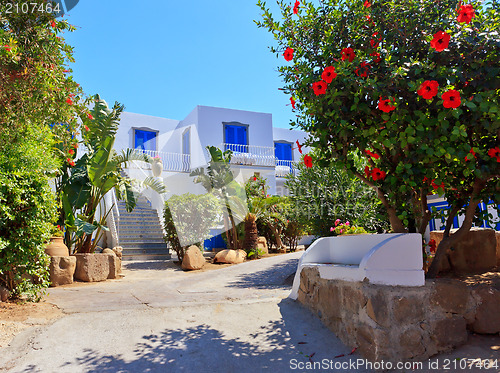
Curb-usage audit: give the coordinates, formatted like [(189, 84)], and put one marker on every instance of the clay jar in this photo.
[(56, 247)]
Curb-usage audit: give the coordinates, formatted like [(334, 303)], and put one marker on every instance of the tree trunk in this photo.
[(277, 236), (251, 233)]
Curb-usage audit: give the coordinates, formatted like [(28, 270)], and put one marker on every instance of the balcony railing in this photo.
[(253, 155), (284, 168), (173, 162)]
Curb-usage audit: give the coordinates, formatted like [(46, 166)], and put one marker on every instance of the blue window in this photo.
[(237, 137), (145, 140), (283, 151), (186, 143)]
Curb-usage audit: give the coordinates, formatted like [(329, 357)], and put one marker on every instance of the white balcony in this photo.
[(172, 162), (251, 155), (284, 168)]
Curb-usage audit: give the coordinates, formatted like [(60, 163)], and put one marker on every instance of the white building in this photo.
[(259, 149)]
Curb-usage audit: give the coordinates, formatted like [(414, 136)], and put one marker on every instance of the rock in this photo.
[(451, 295), (4, 294), (449, 333), (108, 251), (411, 344), (118, 251), (475, 252), (487, 318), (193, 258), (61, 270), (230, 256), (353, 299), (377, 309), (262, 245), (96, 267), (408, 310)]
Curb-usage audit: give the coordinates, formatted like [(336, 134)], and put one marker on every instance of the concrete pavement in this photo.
[(160, 319)]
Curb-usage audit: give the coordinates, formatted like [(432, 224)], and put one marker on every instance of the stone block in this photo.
[(450, 295), (497, 234), (230, 256), (262, 245), (353, 299), (61, 270), (93, 267), (408, 310), (449, 333), (373, 343), (487, 317), (329, 301), (4, 294), (377, 309), (475, 252), (193, 258), (411, 344)]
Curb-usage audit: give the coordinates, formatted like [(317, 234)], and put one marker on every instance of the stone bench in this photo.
[(387, 259)]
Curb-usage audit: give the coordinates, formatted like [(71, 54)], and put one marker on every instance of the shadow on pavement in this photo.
[(297, 338), (275, 277), (152, 265)]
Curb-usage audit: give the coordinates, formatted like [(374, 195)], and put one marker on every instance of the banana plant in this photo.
[(95, 174)]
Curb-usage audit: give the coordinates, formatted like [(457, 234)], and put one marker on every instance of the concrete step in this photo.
[(143, 245), (146, 257), (128, 241), (138, 219)]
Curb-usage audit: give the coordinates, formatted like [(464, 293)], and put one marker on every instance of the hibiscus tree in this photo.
[(416, 83)]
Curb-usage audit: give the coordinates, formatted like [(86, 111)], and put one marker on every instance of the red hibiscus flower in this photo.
[(348, 54), (299, 147), (378, 174), (367, 172), (90, 116), (466, 13), (296, 7), (75, 146), (319, 88), (372, 154), (71, 162), (288, 54), (87, 128), (254, 178), (7, 48), (362, 70), (367, 4), (451, 99), (292, 101), (386, 105), (53, 24), (376, 54), (308, 161), (440, 41), (68, 101), (329, 74), (495, 153), (435, 186), (432, 246), (71, 151), (428, 89), (471, 151), (374, 43)]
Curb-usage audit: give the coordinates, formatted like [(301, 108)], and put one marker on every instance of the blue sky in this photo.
[(164, 57)]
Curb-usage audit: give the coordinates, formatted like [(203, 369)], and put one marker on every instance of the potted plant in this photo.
[(56, 246), (157, 166)]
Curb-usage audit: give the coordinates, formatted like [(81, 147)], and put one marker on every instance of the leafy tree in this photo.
[(321, 195), (188, 219), (412, 84)]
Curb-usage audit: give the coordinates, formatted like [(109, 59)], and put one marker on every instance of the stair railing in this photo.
[(113, 220)]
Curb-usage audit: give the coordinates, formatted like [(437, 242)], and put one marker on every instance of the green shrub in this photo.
[(188, 219), (27, 210)]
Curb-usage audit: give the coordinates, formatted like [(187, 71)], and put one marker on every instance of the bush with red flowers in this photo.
[(418, 88)]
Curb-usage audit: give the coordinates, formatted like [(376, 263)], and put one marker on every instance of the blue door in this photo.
[(283, 151)]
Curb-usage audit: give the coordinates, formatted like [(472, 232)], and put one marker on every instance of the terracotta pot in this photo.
[(157, 168), (56, 247)]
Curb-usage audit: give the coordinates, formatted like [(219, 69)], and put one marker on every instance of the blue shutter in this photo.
[(283, 151), (145, 140)]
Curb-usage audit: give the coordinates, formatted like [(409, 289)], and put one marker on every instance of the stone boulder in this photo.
[(4, 294), (487, 317), (61, 270), (230, 256), (262, 245), (193, 258), (96, 267), (475, 252)]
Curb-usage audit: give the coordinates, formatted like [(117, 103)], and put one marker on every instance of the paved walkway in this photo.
[(161, 319)]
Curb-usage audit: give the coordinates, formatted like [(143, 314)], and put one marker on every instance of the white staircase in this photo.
[(140, 233)]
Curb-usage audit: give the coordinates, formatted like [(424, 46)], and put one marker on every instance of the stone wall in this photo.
[(403, 323)]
